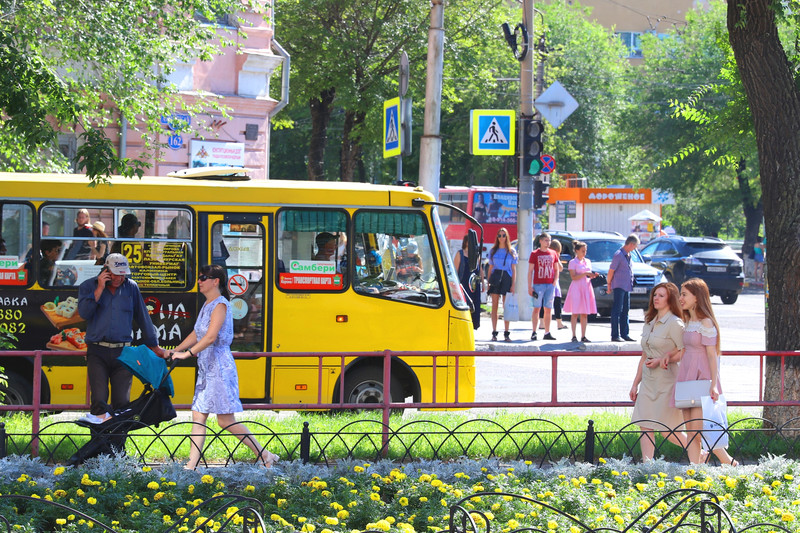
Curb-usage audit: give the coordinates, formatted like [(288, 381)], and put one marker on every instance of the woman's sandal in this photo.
[(268, 459), (494, 335)]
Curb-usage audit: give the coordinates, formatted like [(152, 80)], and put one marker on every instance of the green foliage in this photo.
[(82, 70)]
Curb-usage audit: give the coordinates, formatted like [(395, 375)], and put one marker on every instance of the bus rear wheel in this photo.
[(18, 391), (365, 385)]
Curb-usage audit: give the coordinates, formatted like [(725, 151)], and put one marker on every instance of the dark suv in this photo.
[(600, 249), (707, 258)]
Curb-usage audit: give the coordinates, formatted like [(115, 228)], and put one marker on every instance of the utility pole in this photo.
[(430, 150), (525, 210)]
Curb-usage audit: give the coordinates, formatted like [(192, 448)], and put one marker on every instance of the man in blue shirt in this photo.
[(110, 303), (620, 282)]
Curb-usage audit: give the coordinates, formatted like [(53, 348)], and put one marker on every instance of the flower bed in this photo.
[(405, 498)]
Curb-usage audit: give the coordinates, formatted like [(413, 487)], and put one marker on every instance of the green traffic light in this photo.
[(536, 166)]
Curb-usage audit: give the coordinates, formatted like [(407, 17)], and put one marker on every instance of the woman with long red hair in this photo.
[(654, 384), (700, 360)]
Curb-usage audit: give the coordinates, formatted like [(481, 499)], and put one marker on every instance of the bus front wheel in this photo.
[(18, 391), (365, 385)]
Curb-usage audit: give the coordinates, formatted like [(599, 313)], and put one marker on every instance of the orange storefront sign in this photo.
[(601, 196)]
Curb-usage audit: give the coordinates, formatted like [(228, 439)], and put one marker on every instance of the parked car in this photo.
[(708, 258), (600, 249)]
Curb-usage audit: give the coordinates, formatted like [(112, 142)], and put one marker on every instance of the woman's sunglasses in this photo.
[(203, 277), (503, 235)]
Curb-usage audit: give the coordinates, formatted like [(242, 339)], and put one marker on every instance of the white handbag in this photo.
[(689, 393)]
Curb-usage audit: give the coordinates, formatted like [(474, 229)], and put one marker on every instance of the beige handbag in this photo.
[(689, 393)]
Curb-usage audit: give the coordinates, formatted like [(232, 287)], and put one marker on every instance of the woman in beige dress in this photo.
[(654, 386)]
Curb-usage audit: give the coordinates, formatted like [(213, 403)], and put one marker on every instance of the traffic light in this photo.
[(531, 146), (540, 193)]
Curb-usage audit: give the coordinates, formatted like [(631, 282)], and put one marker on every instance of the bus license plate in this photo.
[(639, 290), (717, 269)]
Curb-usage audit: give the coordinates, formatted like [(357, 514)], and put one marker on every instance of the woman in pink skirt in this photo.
[(580, 297)]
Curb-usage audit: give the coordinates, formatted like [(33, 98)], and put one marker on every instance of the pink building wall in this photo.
[(241, 82)]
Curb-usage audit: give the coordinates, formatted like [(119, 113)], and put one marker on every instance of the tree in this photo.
[(86, 67), (769, 80)]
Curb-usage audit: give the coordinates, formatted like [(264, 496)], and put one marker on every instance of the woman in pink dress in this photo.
[(700, 360), (580, 296)]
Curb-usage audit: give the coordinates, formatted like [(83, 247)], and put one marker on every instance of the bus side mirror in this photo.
[(473, 251)]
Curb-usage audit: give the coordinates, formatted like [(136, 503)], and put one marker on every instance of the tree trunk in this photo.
[(351, 145), (753, 210), (775, 104), (320, 116)]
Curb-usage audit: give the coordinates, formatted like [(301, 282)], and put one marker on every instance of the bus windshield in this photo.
[(394, 257)]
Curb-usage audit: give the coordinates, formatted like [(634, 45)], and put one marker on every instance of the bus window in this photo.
[(312, 249), (16, 237), (240, 249), (394, 258), (157, 243)]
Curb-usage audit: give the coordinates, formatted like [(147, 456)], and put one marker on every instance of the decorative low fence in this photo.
[(535, 439)]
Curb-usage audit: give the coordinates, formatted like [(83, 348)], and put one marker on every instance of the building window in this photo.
[(632, 40)]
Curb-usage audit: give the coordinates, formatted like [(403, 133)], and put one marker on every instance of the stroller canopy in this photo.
[(147, 366)]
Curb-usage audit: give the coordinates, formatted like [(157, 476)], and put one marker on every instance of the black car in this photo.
[(707, 258)]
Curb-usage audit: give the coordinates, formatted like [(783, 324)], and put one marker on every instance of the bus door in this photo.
[(238, 242)]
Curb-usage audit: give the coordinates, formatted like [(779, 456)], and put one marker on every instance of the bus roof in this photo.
[(41, 186), (488, 188)]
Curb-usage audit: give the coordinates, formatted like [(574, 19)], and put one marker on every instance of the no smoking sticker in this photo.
[(237, 284)]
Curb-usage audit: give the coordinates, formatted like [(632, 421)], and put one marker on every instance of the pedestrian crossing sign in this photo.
[(391, 128), (492, 131)]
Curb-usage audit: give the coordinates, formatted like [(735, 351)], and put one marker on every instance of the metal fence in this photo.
[(749, 438)]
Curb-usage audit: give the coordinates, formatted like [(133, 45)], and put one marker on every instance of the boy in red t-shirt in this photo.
[(543, 269)]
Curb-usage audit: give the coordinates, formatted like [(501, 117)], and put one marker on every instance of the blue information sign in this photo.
[(492, 131)]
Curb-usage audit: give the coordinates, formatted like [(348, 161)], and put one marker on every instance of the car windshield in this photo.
[(603, 251), (705, 246)]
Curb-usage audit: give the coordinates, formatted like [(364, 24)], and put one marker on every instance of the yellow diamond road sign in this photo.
[(492, 131)]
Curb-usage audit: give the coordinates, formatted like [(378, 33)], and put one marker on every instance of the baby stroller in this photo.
[(152, 407)]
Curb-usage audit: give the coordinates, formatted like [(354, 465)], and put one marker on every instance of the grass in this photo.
[(443, 435)]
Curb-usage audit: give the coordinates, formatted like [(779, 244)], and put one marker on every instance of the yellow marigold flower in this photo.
[(602, 460), (146, 469), (190, 489), (343, 515), (374, 496), (91, 501), (766, 490), (282, 503), (80, 493), (403, 501), (614, 473), (660, 484), (787, 517), (358, 469), (552, 524), (489, 515), (788, 477), (331, 520), (618, 519), (249, 488), (443, 502), (424, 478), (207, 479), (513, 524), (731, 482), (58, 471), (112, 482), (614, 509), (61, 521), (326, 530), (152, 485), (495, 506), (596, 481), (307, 528), (423, 499)]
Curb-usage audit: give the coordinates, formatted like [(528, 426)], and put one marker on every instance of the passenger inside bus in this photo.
[(409, 264), (326, 247)]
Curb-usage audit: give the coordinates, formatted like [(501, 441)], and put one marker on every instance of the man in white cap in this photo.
[(110, 303)]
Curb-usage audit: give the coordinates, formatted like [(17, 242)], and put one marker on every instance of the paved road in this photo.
[(610, 377)]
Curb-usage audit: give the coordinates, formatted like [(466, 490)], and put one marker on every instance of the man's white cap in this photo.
[(118, 264)]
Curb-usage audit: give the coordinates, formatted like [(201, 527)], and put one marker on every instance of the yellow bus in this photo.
[(312, 267)]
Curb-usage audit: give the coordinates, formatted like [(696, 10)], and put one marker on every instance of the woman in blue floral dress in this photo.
[(217, 387)]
